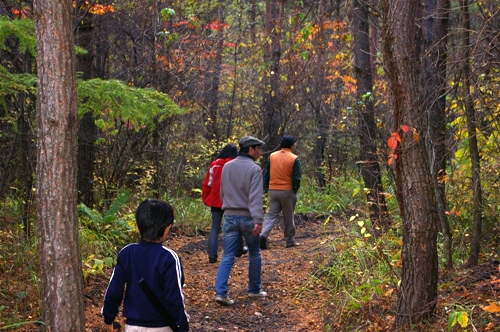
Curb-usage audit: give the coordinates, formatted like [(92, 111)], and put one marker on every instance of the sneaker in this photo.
[(263, 242), (225, 301), (212, 259), (241, 253), (259, 294), (294, 244)]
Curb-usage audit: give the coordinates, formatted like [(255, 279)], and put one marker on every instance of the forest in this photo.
[(395, 106)]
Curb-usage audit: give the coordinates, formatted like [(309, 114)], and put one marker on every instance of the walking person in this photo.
[(210, 194), (148, 263), (282, 177), (241, 194)]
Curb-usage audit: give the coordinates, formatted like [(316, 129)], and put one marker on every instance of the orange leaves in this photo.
[(217, 26), (25, 12), (393, 143), (95, 8), (395, 140), (491, 308)]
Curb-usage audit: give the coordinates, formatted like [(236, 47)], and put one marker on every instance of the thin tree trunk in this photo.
[(370, 168), (57, 120), (272, 58), (434, 56), (470, 113), (211, 96)]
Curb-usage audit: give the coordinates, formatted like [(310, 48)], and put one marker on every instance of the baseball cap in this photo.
[(249, 141)]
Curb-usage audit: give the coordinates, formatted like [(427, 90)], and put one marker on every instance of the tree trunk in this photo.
[(370, 168), (272, 57), (470, 113), (435, 30), (211, 96), (57, 120), (87, 130), (415, 192)]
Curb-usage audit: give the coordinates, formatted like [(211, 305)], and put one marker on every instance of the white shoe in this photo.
[(259, 294), (225, 301)]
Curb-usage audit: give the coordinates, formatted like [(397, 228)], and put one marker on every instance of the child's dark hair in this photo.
[(153, 216)]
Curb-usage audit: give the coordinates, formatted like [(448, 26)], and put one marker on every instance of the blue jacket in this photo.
[(162, 270)]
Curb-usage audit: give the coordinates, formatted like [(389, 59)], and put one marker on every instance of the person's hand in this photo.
[(256, 229), (115, 327)]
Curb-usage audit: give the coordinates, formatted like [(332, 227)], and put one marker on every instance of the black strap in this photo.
[(157, 304)]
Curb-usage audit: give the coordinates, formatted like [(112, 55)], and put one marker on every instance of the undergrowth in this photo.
[(358, 273)]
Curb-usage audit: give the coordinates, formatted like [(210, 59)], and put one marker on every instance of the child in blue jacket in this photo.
[(159, 266)]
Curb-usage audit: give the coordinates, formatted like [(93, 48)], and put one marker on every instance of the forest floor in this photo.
[(296, 300)]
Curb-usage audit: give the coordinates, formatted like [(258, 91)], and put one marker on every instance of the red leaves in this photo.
[(395, 140), (217, 25)]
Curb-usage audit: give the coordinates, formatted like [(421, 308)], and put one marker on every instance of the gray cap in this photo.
[(249, 141)]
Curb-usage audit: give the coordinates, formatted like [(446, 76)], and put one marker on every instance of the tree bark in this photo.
[(272, 58), (402, 38), (434, 56), (470, 113), (370, 168), (57, 120), (87, 130)]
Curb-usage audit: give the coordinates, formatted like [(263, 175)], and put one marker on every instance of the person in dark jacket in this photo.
[(210, 194), (159, 266)]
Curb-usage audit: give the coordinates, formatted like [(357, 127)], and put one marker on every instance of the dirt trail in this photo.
[(286, 277)]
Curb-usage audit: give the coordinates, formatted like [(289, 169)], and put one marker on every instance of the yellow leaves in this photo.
[(460, 317)]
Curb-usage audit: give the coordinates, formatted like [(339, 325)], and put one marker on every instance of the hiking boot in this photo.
[(294, 244), (241, 252), (212, 259), (259, 294), (263, 242), (224, 301)]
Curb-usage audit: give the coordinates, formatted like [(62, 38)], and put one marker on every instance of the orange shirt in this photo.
[(280, 169)]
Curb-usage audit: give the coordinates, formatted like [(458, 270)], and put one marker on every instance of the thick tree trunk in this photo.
[(370, 168), (415, 191), (60, 259)]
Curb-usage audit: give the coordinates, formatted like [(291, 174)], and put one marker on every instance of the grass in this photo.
[(359, 272)]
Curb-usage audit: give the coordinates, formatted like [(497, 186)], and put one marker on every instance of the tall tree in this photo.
[(433, 83), (272, 89), (57, 120), (370, 168), (472, 126), (402, 40)]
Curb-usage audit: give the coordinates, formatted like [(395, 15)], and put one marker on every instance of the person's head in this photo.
[(287, 142), (229, 151), (250, 146), (154, 218)]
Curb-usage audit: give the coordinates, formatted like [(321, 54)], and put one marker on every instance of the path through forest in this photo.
[(286, 277)]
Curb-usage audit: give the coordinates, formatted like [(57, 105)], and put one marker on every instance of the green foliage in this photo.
[(337, 197), (101, 235), (23, 30), (13, 84), (192, 217), (359, 269), (112, 100), (458, 317)]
